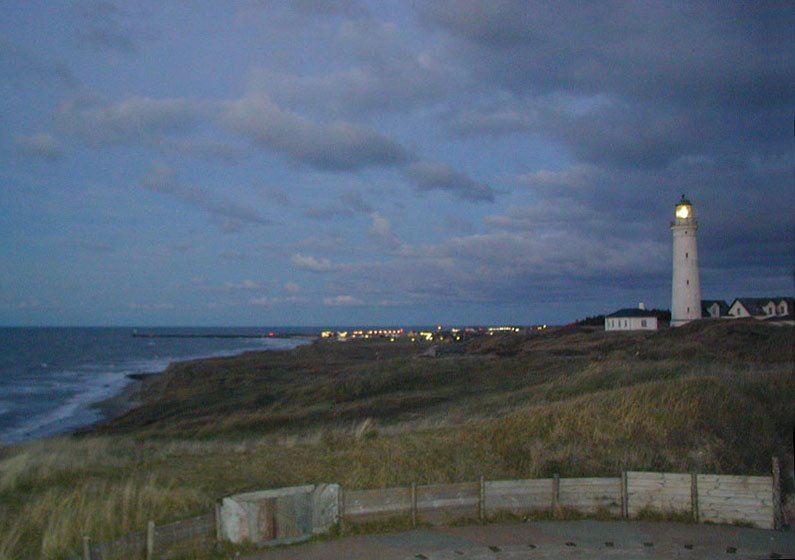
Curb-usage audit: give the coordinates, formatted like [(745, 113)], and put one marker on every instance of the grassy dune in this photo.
[(712, 397)]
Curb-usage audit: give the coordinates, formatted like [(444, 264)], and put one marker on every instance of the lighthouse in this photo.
[(685, 288)]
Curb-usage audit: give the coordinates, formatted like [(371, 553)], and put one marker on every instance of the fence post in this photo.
[(150, 541), (413, 504), (694, 496), (624, 496), (777, 521), (555, 493), (86, 548), (482, 499)]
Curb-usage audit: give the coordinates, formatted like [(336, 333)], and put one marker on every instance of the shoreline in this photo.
[(95, 385), (136, 391), (130, 397)]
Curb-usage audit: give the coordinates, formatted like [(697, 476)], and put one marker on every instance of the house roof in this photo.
[(754, 305), (705, 303), (632, 312)]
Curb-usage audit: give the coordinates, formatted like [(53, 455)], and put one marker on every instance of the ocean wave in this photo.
[(70, 392)]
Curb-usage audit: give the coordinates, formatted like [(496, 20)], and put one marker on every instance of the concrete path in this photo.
[(538, 540)]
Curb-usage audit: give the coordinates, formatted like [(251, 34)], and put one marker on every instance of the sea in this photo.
[(52, 378)]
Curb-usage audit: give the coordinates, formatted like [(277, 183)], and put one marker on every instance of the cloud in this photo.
[(201, 149), (375, 68), (428, 176), (230, 215), (394, 85), (312, 264), (269, 301), (135, 119), (151, 306), (111, 26), (43, 146), (633, 51), (381, 229), (244, 285), (625, 84), (351, 202), (498, 120), (342, 301), (292, 288), (339, 146), (355, 201)]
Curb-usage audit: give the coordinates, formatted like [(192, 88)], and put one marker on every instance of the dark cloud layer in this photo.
[(635, 84), (339, 146), (699, 53), (429, 176), (230, 215)]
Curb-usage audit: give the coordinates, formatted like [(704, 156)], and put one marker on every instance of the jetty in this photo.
[(137, 334)]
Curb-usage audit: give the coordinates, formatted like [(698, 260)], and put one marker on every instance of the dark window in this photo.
[(687, 255)]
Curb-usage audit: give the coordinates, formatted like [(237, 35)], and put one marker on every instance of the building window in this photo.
[(643, 322), (688, 282), (688, 310), (687, 255)]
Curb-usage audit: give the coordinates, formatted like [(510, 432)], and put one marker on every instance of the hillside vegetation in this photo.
[(712, 397)]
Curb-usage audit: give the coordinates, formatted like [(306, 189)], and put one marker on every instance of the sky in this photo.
[(311, 162)]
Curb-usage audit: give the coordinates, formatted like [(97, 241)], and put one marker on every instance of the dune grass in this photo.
[(373, 415)]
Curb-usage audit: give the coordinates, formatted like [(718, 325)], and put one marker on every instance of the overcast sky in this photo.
[(317, 162)]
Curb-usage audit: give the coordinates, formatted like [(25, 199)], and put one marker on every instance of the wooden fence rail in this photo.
[(750, 500)]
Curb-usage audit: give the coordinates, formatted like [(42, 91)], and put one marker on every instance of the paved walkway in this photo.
[(538, 540)]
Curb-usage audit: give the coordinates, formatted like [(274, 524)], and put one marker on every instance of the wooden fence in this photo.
[(707, 498), (748, 500), (162, 542)]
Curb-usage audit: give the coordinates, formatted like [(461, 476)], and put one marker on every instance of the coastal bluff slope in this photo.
[(710, 397), (673, 397)]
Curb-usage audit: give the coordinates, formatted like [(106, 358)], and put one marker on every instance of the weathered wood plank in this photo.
[(386, 500), (519, 486), (736, 499), (448, 488), (733, 498)]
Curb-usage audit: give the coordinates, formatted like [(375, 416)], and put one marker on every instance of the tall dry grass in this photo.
[(55, 491)]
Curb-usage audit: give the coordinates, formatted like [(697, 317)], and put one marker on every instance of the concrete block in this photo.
[(325, 503), (281, 515)]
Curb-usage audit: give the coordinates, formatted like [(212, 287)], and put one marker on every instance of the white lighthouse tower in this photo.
[(685, 289)]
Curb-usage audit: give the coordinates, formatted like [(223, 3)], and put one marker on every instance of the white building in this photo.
[(778, 308), (685, 287), (631, 319)]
